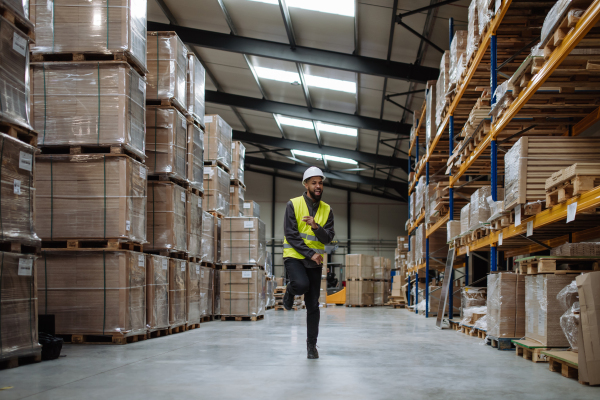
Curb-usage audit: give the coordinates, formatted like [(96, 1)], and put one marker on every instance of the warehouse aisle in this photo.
[(366, 353)]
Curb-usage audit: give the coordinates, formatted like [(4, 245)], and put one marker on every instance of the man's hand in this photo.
[(317, 258), (311, 222)]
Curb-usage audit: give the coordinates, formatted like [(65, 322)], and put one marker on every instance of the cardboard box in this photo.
[(506, 305), (167, 209), (167, 68), (359, 293), (195, 89), (236, 200), (251, 209), (207, 278), (80, 26), (19, 306), (177, 292), (90, 197), (157, 292), (238, 154), (217, 140), (378, 292), (194, 225), (543, 310), (193, 304), (359, 266), (588, 286), (216, 190), (89, 103), (166, 142), (94, 292), (195, 157), (208, 238), (243, 241), (242, 292), (17, 187), (217, 242)]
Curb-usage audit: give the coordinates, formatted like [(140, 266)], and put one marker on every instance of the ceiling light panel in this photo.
[(342, 130), (303, 153), (340, 160), (299, 123), (339, 7), (277, 75)]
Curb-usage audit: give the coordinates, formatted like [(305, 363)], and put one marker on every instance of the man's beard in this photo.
[(314, 196)]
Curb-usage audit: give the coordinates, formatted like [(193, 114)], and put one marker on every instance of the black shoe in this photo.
[(288, 300), (311, 348)]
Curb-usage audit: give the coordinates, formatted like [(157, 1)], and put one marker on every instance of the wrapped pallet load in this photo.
[(242, 293), (360, 293), (472, 31), (217, 140), (243, 241), (90, 197), (94, 292), (589, 342), (96, 27), (89, 104), (177, 293), (441, 91), (359, 266), (216, 190), (236, 200), (251, 209), (430, 126), (194, 217), (167, 66), (195, 158), (208, 238), (192, 295), (166, 227), (458, 47), (238, 154), (19, 306), (206, 291), (166, 142), (506, 305), (157, 292), (195, 89)]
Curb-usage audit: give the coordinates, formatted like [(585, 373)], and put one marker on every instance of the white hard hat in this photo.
[(312, 171)]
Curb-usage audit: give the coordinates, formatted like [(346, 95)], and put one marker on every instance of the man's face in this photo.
[(314, 186)]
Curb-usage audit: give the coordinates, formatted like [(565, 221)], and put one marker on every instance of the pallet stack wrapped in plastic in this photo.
[(217, 160), (359, 280), (157, 293), (474, 307), (237, 187), (237, 194), (430, 111), (251, 209), (243, 241), (441, 90), (458, 47), (473, 34), (242, 293), (506, 305)]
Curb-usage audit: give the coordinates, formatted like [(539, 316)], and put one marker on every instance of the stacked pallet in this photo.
[(359, 280), (571, 181), (506, 305), (381, 279)]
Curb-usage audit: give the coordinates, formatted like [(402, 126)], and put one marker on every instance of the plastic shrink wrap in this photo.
[(89, 103), (504, 99), (430, 111), (479, 209), (194, 216), (192, 294), (465, 214), (359, 293), (166, 142), (20, 8), (177, 292), (238, 154), (94, 292), (195, 157), (208, 238), (496, 208), (472, 314), (90, 197), (157, 292), (195, 88), (167, 212), (237, 193), (553, 18), (167, 66), (452, 230), (19, 305), (359, 266), (484, 14), (217, 139), (216, 190), (242, 292), (481, 323), (251, 209), (207, 277), (457, 50), (441, 90), (17, 188), (506, 305), (101, 26), (569, 322), (243, 241), (420, 244), (472, 30)]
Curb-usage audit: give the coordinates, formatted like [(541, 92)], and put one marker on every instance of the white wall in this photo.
[(372, 218)]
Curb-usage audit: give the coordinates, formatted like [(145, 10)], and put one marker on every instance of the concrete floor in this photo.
[(366, 353)]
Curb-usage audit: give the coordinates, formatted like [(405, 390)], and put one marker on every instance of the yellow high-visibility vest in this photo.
[(306, 232)]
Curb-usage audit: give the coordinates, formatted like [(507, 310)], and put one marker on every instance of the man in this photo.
[(308, 227)]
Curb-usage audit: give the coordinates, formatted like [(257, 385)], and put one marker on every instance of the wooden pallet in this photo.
[(169, 177), (468, 330), (239, 266), (189, 327), (102, 339), (562, 29), (282, 308), (25, 135), (217, 214), (280, 290), (270, 307), (177, 329), (360, 279), (208, 265), (17, 361), (171, 102), (90, 244), (194, 259), (565, 362), (570, 188), (237, 182), (93, 149), (242, 318), (549, 265), (20, 22), (455, 325), (217, 163), (197, 191), (101, 57), (157, 333), (481, 334), (501, 343), (206, 318), (179, 255), (359, 305), (532, 351), (30, 247)]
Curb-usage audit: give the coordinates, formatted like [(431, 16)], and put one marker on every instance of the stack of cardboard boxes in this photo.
[(359, 280)]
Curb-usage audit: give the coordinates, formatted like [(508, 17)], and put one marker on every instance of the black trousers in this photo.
[(307, 282)]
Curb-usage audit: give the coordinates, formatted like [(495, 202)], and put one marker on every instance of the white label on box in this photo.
[(142, 86), (25, 161), (127, 225), (248, 224), (518, 215), (500, 237), (402, 239), (232, 145), (208, 119), (140, 261), (142, 172), (247, 205), (402, 256), (202, 274), (183, 266), (197, 269), (219, 172), (165, 263), (200, 202), (231, 189), (246, 274), (571, 211), (183, 196), (19, 44), (208, 171), (529, 228), (406, 245), (25, 267), (17, 186)]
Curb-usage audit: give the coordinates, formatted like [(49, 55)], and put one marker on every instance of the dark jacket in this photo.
[(325, 233)]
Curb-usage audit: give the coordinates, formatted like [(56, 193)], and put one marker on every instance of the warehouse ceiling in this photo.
[(293, 90)]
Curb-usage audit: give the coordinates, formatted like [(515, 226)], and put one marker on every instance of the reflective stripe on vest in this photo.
[(289, 246), (305, 231)]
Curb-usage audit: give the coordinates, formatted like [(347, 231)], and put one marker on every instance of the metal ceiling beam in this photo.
[(426, 8), (301, 54), (380, 195), (400, 187), (293, 110), (289, 144)]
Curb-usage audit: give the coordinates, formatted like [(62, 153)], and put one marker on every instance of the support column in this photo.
[(408, 287), (416, 291), (348, 218), (451, 217), (426, 245), (494, 147), (273, 227)]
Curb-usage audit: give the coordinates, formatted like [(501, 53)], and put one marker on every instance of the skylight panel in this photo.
[(339, 7), (309, 154), (299, 123), (340, 160), (342, 130)]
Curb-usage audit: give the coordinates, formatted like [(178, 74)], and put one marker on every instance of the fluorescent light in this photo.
[(299, 123), (339, 7), (333, 84), (277, 75), (307, 154), (340, 159), (342, 130)]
